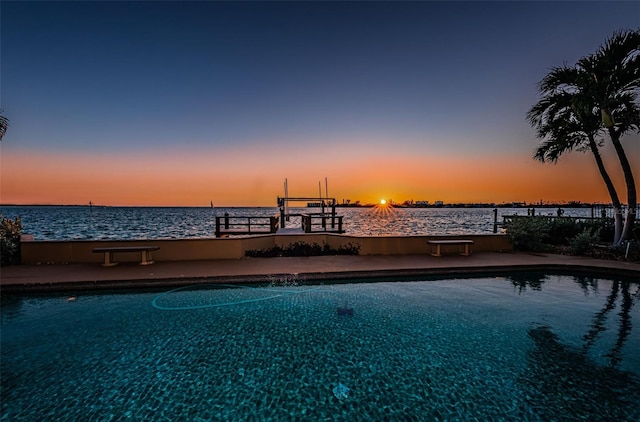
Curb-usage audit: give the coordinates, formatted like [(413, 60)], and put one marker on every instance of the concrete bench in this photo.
[(436, 244), (145, 253)]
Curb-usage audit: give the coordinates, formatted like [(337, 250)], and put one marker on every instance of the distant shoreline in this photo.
[(454, 205)]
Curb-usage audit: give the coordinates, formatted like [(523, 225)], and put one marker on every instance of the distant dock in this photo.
[(325, 221)]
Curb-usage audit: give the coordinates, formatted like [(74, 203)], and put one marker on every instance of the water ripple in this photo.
[(105, 223)]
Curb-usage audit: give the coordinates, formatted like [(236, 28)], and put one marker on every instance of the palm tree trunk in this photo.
[(615, 200), (625, 325), (598, 324), (632, 201)]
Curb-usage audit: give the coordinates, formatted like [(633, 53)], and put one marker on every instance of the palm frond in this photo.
[(4, 124)]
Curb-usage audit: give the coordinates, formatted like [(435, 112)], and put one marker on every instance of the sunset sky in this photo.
[(168, 103)]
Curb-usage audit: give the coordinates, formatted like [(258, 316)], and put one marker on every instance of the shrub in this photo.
[(10, 231), (582, 242), (562, 235), (348, 249), (561, 230), (605, 227), (529, 234), (304, 249)]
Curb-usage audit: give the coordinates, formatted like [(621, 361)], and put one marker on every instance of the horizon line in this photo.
[(434, 204)]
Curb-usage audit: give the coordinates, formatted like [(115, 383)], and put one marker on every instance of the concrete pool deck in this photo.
[(25, 278)]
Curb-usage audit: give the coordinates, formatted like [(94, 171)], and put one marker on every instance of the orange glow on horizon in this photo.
[(196, 180)]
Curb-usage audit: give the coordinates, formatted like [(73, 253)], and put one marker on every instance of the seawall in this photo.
[(80, 251)]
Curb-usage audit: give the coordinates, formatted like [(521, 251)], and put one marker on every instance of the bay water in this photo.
[(102, 223)]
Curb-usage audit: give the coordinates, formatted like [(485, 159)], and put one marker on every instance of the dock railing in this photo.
[(321, 222), (240, 225)]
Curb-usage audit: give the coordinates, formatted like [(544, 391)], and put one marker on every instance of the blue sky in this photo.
[(286, 81)]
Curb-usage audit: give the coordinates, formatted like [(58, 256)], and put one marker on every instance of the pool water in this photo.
[(524, 347)]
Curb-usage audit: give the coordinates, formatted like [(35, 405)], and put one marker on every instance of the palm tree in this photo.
[(565, 121), (4, 123), (612, 76), (599, 92)]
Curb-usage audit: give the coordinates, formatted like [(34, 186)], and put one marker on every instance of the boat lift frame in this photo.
[(283, 204)]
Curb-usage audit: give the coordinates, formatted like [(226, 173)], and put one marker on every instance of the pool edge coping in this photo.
[(172, 282)]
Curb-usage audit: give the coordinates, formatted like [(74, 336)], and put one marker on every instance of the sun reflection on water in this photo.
[(383, 210)]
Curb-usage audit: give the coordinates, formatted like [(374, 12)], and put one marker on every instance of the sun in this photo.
[(383, 202)]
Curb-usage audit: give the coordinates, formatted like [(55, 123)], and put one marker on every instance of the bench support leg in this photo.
[(435, 250), (466, 252), (146, 258), (107, 260)]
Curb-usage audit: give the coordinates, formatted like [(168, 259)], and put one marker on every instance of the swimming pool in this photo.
[(523, 347)]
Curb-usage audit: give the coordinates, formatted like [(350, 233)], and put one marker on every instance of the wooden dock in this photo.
[(325, 221), (228, 225)]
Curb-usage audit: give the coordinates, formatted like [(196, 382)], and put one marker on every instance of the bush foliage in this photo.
[(582, 237), (10, 231), (529, 234), (304, 249), (582, 243)]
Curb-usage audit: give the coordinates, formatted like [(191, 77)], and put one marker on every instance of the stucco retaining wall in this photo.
[(78, 251)]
